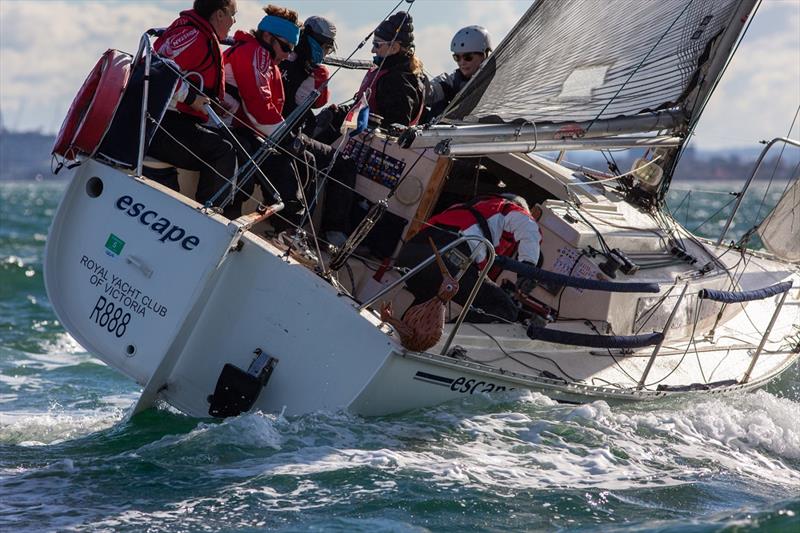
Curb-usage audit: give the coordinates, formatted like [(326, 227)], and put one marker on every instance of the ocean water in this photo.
[(72, 459)]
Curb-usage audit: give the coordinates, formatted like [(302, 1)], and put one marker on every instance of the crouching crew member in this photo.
[(193, 42), (505, 221)]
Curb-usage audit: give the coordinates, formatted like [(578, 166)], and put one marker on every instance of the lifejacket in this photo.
[(191, 42), (254, 83), (477, 212), (370, 81)]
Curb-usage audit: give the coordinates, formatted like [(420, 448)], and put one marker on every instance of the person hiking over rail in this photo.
[(193, 42), (255, 96)]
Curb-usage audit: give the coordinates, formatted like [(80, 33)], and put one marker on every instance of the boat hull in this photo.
[(136, 300), (169, 294)]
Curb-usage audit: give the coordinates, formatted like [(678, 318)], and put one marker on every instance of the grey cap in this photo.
[(321, 26)]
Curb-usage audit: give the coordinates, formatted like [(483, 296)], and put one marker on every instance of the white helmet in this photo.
[(471, 39)]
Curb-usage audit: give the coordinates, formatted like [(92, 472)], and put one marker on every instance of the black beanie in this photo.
[(398, 28)]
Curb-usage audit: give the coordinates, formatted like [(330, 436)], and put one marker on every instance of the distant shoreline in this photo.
[(26, 155)]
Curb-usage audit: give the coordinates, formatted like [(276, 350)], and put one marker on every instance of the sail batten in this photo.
[(578, 61)]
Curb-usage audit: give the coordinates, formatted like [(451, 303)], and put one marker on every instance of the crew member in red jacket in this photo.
[(255, 89), (505, 221), (193, 42)]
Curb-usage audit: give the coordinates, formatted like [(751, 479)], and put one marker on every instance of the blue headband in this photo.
[(280, 27)]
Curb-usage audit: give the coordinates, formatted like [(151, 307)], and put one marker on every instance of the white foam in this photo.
[(58, 425), (64, 344), (541, 445), (254, 430), (17, 383)]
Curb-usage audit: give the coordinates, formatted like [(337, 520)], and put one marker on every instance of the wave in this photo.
[(524, 440), (502, 451)]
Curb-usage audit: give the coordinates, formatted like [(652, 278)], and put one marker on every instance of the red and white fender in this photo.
[(94, 106)]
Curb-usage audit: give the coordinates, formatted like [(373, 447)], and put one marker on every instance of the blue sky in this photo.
[(48, 47)]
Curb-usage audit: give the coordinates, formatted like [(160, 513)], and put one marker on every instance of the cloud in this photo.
[(47, 49), (760, 92)]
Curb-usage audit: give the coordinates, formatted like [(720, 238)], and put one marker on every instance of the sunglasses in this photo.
[(378, 44), (286, 47), (469, 56)]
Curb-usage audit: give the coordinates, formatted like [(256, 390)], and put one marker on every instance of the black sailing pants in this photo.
[(195, 147)]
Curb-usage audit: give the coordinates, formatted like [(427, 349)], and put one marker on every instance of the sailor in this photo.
[(193, 42), (396, 84), (504, 220), (304, 72), (395, 91), (255, 94), (470, 46)]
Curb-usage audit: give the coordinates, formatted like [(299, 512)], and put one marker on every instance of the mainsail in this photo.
[(579, 60), (780, 231)]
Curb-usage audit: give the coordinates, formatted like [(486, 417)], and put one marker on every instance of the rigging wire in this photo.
[(640, 65), (775, 169), (538, 356), (717, 212), (688, 345)]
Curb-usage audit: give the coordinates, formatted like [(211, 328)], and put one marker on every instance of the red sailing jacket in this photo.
[(254, 83), (511, 228), (191, 42)]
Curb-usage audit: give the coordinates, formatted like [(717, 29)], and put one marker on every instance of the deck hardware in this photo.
[(138, 263)]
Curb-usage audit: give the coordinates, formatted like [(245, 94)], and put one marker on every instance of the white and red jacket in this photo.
[(319, 75), (190, 41), (512, 229), (255, 88)]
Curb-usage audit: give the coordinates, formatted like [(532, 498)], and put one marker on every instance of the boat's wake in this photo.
[(499, 448)]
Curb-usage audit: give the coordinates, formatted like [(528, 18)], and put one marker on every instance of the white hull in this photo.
[(193, 305)]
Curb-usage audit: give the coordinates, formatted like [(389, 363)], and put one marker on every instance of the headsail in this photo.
[(780, 231), (573, 61)]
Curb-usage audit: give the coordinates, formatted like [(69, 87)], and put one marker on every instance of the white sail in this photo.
[(780, 231), (573, 61)]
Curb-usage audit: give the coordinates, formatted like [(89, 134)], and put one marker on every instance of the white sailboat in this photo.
[(214, 318)]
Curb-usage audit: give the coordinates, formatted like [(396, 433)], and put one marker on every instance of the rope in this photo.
[(614, 178)]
